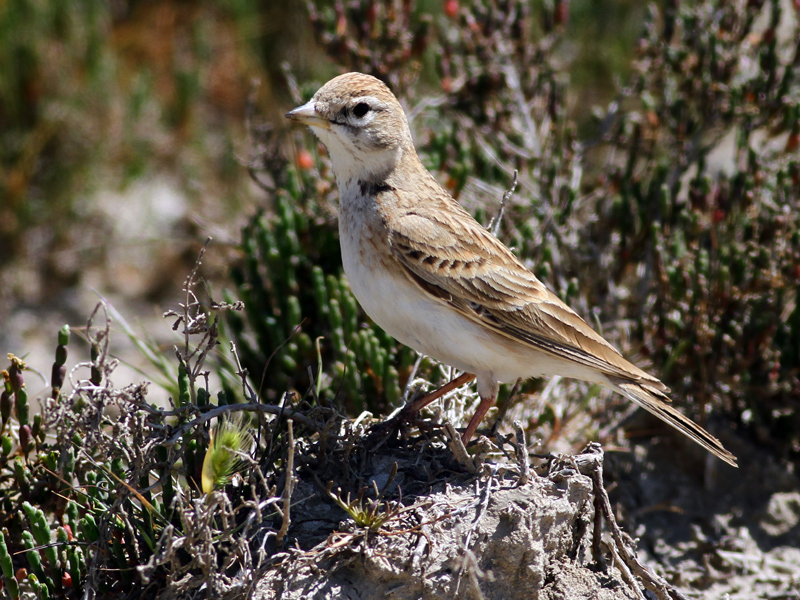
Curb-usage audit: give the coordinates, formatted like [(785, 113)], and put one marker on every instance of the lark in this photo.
[(436, 280)]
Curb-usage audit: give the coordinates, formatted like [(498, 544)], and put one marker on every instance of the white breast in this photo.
[(417, 320)]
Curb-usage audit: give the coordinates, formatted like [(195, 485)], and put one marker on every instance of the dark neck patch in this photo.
[(369, 188)]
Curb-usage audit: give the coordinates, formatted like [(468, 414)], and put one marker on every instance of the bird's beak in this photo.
[(308, 115)]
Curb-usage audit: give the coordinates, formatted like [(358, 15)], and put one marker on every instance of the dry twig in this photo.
[(590, 462), (288, 488)]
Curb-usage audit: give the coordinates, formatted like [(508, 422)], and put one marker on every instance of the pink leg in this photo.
[(483, 408), (428, 398)]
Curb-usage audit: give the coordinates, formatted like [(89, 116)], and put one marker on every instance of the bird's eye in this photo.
[(361, 109)]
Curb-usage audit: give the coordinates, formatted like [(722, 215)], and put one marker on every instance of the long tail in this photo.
[(655, 401)]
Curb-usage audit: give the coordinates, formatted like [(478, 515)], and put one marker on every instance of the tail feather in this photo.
[(652, 400)]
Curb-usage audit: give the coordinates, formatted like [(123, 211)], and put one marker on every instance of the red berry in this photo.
[(304, 160)]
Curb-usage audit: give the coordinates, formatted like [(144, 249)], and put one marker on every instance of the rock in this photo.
[(480, 538), (782, 513)]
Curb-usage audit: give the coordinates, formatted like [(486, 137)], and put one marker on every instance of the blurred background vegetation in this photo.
[(653, 142), (656, 147), (659, 194), (122, 126), (127, 130)]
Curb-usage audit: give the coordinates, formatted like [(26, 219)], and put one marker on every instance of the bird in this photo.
[(435, 279)]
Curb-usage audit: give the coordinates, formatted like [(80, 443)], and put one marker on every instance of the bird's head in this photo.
[(361, 124)]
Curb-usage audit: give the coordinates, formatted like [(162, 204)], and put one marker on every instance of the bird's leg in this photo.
[(412, 408), (421, 403), (483, 408)]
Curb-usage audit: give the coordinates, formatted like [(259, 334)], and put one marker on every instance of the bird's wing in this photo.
[(452, 257), (457, 261)]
